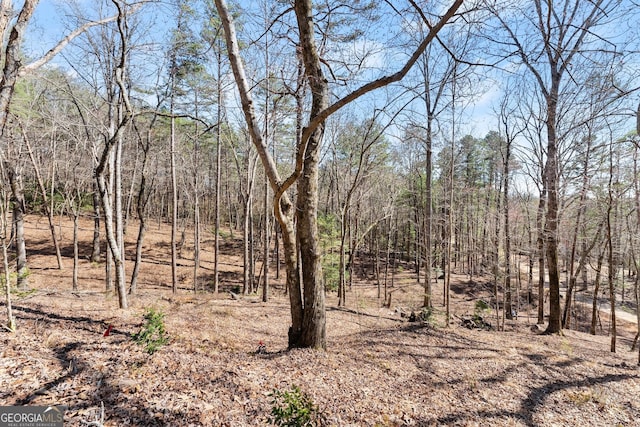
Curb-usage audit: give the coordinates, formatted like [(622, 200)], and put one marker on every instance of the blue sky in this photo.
[(49, 26)]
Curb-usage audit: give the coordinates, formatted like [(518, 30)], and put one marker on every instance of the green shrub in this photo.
[(152, 335), (294, 408), (427, 315), (481, 307), (331, 271)]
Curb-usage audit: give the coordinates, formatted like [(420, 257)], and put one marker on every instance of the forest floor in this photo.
[(378, 370)]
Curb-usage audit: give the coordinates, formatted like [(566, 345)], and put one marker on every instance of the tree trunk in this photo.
[(508, 303), (427, 301), (612, 287), (266, 245), (246, 253), (18, 212), (141, 210), (119, 214), (216, 237), (174, 197), (574, 275), (596, 290), (342, 264), (76, 255), (314, 321), (612, 254), (115, 238), (266, 131), (142, 228), (196, 240), (95, 252), (551, 220), (114, 247), (541, 253), (11, 323)]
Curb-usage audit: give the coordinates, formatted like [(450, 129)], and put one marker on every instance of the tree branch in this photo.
[(383, 81), (61, 45)]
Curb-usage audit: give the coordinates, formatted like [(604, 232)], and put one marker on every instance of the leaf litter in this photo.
[(379, 369)]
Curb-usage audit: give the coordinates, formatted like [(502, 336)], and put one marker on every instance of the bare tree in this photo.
[(558, 37), (11, 32), (308, 314), (509, 132), (123, 116)]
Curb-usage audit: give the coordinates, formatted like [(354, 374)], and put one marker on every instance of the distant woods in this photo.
[(349, 153)]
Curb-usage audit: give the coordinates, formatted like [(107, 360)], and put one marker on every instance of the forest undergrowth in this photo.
[(225, 357)]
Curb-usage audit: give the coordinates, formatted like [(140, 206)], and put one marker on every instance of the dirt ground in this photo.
[(379, 369)]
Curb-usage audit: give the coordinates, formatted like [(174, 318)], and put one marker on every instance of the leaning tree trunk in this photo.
[(105, 178), (141, 209), (283, 208), (311, 332)]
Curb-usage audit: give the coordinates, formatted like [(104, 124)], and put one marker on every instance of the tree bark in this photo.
[(508, 306), (216, 242), (76, 215), (18, 212), (427, 301), (174, 195), (551, 219), (95, 251), (612, 254), (596, 290), (11, 323)]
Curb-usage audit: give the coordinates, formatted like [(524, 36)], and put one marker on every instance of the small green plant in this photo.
[(427, 315), (25, 273), (331, 271), (294, 408), (480, 307), (222, 233), (152, 335), (19, 293)]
